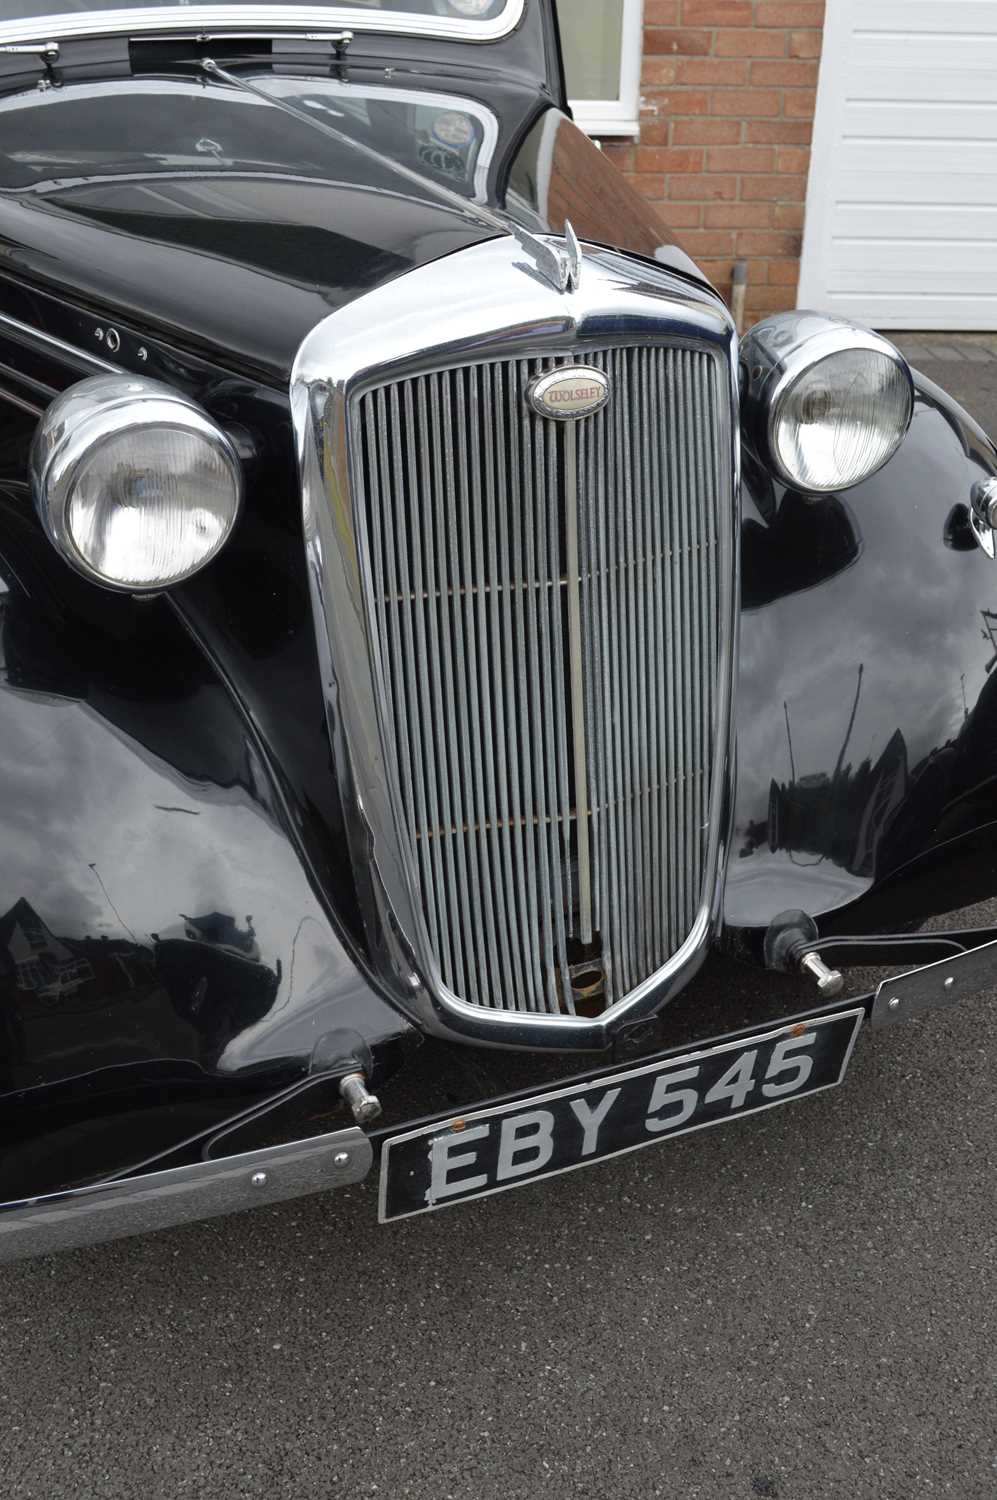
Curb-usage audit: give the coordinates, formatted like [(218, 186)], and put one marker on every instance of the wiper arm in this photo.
[(338, 39), (47, 51), (559, 269)]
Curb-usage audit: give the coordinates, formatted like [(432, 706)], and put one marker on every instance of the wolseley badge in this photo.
[(569, 393)]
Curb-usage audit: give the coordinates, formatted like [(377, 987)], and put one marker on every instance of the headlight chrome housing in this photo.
[(825, 402), (135, 485)]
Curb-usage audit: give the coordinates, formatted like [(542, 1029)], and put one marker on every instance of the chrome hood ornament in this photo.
[(562, 268), (571, 259)]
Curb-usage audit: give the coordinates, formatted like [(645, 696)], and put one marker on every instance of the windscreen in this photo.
[(407, 15)]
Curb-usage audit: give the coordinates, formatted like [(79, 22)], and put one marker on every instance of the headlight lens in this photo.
[(151, 507), (827, 402), (135, 485), (841, 420)]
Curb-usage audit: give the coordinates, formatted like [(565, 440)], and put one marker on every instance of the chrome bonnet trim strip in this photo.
[(23, 333), (181, 1195), (21, 403), (482, 304), (239, 18)]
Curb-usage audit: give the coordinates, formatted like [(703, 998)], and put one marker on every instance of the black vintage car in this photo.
[(426, 629)]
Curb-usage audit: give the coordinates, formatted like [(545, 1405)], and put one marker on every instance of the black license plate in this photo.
[(508, 1145)]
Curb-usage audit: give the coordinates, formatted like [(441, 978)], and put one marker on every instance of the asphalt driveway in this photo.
[(798, 1306)]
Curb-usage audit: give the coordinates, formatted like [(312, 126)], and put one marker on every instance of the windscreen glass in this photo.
[(405, 14)]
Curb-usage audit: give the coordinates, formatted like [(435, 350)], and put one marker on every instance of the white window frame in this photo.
[(619, 116)]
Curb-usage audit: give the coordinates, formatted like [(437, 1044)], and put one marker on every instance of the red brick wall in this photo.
[(727, 153)]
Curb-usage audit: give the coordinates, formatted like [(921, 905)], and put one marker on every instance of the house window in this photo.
[(601, 40)]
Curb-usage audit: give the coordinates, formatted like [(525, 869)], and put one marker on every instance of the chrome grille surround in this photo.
[(413, 359)]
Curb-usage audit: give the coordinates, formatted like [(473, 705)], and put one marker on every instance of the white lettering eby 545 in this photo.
[(507, 1145)]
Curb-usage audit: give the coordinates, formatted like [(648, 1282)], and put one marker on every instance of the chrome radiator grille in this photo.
[(543, 614)]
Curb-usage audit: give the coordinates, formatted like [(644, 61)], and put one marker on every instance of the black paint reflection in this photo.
[(844, 815), (211, 969), (39, 963), (875, 816), (208, 968), (793, 542)]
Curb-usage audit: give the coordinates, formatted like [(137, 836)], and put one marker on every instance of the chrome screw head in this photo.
[(949, 983), (98, 334), (893, 1003), (143, 353), (258, 1179), (341, 1158)]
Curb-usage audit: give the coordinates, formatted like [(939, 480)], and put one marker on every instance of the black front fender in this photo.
[(165, 947), (867, 697)]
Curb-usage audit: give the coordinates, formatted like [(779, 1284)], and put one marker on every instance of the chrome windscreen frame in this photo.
[(483, 303)]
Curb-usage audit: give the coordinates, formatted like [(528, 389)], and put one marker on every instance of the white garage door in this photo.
[(901, 226)]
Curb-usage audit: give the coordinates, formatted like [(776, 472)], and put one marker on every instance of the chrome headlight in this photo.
[(135, 485), (825, 402)]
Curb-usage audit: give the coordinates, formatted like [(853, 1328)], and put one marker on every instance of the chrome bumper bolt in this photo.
[(829, 981), (364, 1105), (988, 497)]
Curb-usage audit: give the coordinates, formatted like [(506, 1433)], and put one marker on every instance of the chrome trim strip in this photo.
[(470, 309), (21, 403), (181, 1195), (23, 333), (239, 18), (573, 571)]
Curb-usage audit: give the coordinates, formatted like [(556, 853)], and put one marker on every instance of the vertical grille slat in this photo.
[(442, 730), (520, 584), (543, 617), (440, 901), (461, 632), (490, 728)]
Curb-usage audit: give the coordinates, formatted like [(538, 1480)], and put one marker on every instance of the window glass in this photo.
[(592, 39), (448, 10)]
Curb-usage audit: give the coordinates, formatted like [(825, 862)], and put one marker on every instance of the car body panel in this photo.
[(234, 227), (866, 729)]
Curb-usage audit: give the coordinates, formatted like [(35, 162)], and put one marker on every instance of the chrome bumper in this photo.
[(138, 1205), (158, 1200)]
